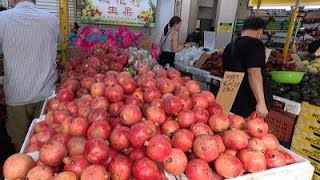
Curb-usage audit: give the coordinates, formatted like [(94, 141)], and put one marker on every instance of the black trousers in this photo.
[(166, 57)]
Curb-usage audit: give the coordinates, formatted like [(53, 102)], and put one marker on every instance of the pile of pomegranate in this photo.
[(109, 125)]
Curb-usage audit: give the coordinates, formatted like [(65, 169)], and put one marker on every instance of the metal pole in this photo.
[(290, 30), (258, 8), (64, 26)]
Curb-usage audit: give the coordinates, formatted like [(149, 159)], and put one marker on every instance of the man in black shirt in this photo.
[(247, 54)]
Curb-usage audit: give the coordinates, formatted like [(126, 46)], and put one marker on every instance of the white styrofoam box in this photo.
[(199, 72), (290, 106), (181, 67)]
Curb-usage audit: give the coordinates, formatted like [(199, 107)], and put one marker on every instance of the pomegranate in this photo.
[(252, 161), (114, 93), (87, 82), (228, 166), (65, 95), (153, 129), (66, 176), (119, 139), (274, 158), (193, 87), (85, 100), (169, 127), (41, 126), (150, 94), (96, 151), (115, 122), (71, 84), (173, 73), (123, 76), (81, 92), (115, 108), (63, 138), (40, 172), (98, 115), (182, 91), (202, 115), (17, 166), (99, 129), (59, 116), (32, 148), (270, 141), (256, 144), (176, 163), (222, 147), (75, 164), (166, 86), (171, 105), (97, 89), (237, 122), (96, 172), (133, 100), (72, 108), (100, 103), (84, 112), (289, 159), (78, 126), (235, 139), (110, 81), (76, 145), (64, 127), (198, 169), (209, 96), (199, 100), (231, 152), (149, 82), (112, 154), (183, 139), (206, 147), (156, 102), (130, 114), (159, 148), (200, 128), (49, 118), (155, 114), (219, 122), (186, 102), (45, 136), (137, 153), (257, 128), (144, 168), (215, 176), (52, 153), (214, 108), (186, 118), (129, 86), (138, 94), (99, 77), (53, 104), (120, 167)]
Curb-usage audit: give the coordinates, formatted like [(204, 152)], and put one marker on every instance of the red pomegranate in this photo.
[(206, 147), (235, 139), (130, 114), (252, 161), (182, 91), (53, 104), (94, 171), (120, 167), (45, 136), (176, 163), (119, 139), (115, 122), (100, 77), (155, 114), (59, 116), (186, 102), (87, 82), (65, 95), (133, 100), (156, 102), (129, 86), (173, 73), (171, 105), (40, 172), (78, 127), (214, 109), (85, 100), (97, 89), (166, 86), (219, 122), (193, 87), (270, 141), (228, 166), (222, 147), (64, 127), (17, 166), (52, 153), (32, 148), (231, 152), (66, 176), (137, 153), (257, 128), (99, 129), (98, 115), (274, 158), (183, 139), (256, 144), (186, 118), (202, 115), (72, 108), (96, 151), (81, 92), (49, 118), (169, 127), (76, 145), (198, 169), (75, 164), (112, 154), (209, 96), (138, 134), (138, 94), (63, 138), (237, 122), (199, 100), (150, 94), (100, 103), (41, 126), (289, 159), (71, 84), (84, 112), (200, 128), (159, 148), (149, 82), (110, 81), (114, 93), (115, 108), (123, 76), (144, 168)]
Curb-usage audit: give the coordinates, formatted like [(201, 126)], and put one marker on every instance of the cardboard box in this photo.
[(314, 162), (203, 58)]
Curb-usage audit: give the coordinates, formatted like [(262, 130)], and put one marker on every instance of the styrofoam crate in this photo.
[(200, 73), (181, 67)]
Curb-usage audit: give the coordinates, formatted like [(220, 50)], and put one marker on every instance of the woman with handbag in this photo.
[(170, 42)]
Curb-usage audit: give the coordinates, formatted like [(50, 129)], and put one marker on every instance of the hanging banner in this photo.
[(283, 2), (140, 13)]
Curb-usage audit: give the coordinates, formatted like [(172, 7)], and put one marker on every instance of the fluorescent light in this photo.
[(274, 7), (312, 7)]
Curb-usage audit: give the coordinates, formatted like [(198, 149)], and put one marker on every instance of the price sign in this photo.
[(229, 89)]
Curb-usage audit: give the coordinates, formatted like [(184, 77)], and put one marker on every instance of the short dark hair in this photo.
[(174, 20), (254, 23)]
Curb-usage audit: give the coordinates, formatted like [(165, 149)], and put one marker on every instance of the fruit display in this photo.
[(89, 9), (312, 66), (214, 64), (307, 90), (105, 124), (276, 62)]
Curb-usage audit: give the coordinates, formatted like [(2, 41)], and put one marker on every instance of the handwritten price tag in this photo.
[(228, 90)]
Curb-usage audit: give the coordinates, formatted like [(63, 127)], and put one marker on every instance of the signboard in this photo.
[(229, 89), (140, 13), (282, 2), (225, 27)]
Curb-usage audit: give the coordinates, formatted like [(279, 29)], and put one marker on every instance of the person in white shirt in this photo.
[(28, 40)]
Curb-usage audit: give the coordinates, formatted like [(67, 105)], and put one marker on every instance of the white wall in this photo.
[(185, 12)]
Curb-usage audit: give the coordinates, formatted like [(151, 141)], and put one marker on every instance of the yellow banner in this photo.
[(282, 2)]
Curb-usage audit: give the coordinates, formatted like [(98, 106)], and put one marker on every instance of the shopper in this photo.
[(28, 39), (247, 54), (170, 42)]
